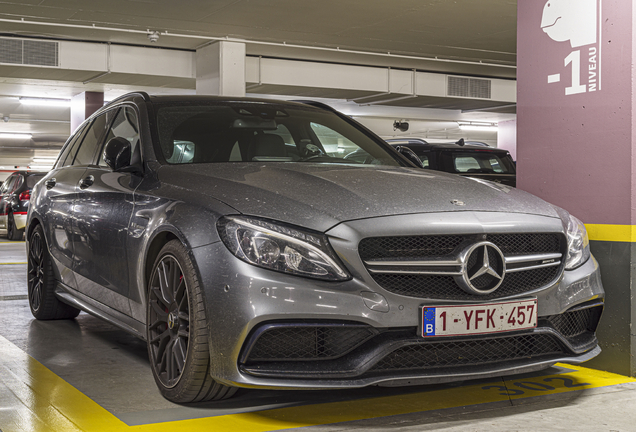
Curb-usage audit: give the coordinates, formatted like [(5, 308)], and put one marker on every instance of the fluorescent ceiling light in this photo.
[(15, 135), (41, 167), (44, 161), (45, 102), (477, 126)]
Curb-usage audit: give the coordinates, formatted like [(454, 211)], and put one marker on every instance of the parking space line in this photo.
[(337, 412), (13, 263), (35, 398)]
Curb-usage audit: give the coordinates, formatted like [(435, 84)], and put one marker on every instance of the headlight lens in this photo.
[(578, 244), (281, 248)]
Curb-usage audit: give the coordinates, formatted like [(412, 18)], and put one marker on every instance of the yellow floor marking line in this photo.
[(336, 412), (13, 263), (32, 398)]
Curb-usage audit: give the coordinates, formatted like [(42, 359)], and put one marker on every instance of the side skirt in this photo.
[(76, 299)]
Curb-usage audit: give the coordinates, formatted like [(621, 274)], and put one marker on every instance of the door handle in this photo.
[(49, 183), (86, 182)]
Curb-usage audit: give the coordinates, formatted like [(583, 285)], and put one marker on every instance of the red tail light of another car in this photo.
[(25, 196)]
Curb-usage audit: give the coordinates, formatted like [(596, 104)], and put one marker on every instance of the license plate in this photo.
[(478, 319)]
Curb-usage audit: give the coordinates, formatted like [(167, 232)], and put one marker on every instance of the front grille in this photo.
[(408, 247), (432, 354), (444, 287), (446, 247), (517, 244), (307, 342)]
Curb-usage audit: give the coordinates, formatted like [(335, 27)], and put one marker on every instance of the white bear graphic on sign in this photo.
[(573, 20)]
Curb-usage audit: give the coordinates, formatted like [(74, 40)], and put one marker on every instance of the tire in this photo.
[(177, 332), (41, 282), (12, 232)]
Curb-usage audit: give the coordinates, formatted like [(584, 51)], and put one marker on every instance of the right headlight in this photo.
[(578, 244), (281, 248)]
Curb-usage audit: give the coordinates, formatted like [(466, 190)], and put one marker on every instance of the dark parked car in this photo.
[(222, 232), (15, 194), (477, 161)]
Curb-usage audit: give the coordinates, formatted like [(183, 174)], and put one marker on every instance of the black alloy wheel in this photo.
[(41, 281), (176, 330), (169, 324), (12, 232)]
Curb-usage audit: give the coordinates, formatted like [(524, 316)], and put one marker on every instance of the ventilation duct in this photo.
[(29, 52), (475, 88)]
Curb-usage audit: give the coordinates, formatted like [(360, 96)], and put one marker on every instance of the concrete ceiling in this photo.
[(476, 38), (479, 31)]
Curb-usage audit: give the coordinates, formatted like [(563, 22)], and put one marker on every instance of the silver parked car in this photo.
[(235, 238)]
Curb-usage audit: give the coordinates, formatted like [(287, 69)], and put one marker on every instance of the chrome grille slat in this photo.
[(398, 266)]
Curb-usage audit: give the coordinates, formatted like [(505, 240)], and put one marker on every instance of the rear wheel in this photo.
[(12, 232), (177, 333), (41, 282)]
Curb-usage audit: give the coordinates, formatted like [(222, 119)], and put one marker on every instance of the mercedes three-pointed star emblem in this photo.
[(483, 268)]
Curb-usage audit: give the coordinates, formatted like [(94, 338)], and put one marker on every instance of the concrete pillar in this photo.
[(576, 134), (221, 69), (83, 105), (507, 137)]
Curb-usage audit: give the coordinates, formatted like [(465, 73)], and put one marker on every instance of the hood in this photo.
[(319, 196)]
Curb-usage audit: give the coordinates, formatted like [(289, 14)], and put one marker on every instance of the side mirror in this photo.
[(410, 155), (117, 153)]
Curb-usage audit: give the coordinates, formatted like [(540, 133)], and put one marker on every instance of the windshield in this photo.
[(477, 162), (262, 132)]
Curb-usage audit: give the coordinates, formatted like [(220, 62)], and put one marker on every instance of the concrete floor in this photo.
[(87, 375)]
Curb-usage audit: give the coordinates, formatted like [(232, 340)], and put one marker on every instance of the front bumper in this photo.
[(241, 300)]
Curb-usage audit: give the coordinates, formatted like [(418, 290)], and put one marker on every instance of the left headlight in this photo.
[(281, 248), (578, 244)]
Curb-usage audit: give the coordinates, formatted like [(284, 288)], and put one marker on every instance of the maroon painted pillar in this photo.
[(575, 139), (83, 105)]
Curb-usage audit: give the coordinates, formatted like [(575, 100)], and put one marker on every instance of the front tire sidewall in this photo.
[(182, 390)]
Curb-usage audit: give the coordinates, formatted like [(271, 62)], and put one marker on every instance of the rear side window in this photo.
[(86, 153), (67, 155), (125, 125), (33, 179), (17, 183)]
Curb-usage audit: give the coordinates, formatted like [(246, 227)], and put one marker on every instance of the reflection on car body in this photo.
[(238, 240)]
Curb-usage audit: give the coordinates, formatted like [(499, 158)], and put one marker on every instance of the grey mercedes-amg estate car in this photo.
[(235, 238)]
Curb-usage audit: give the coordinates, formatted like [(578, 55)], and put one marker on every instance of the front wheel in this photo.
[(176, 330)]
